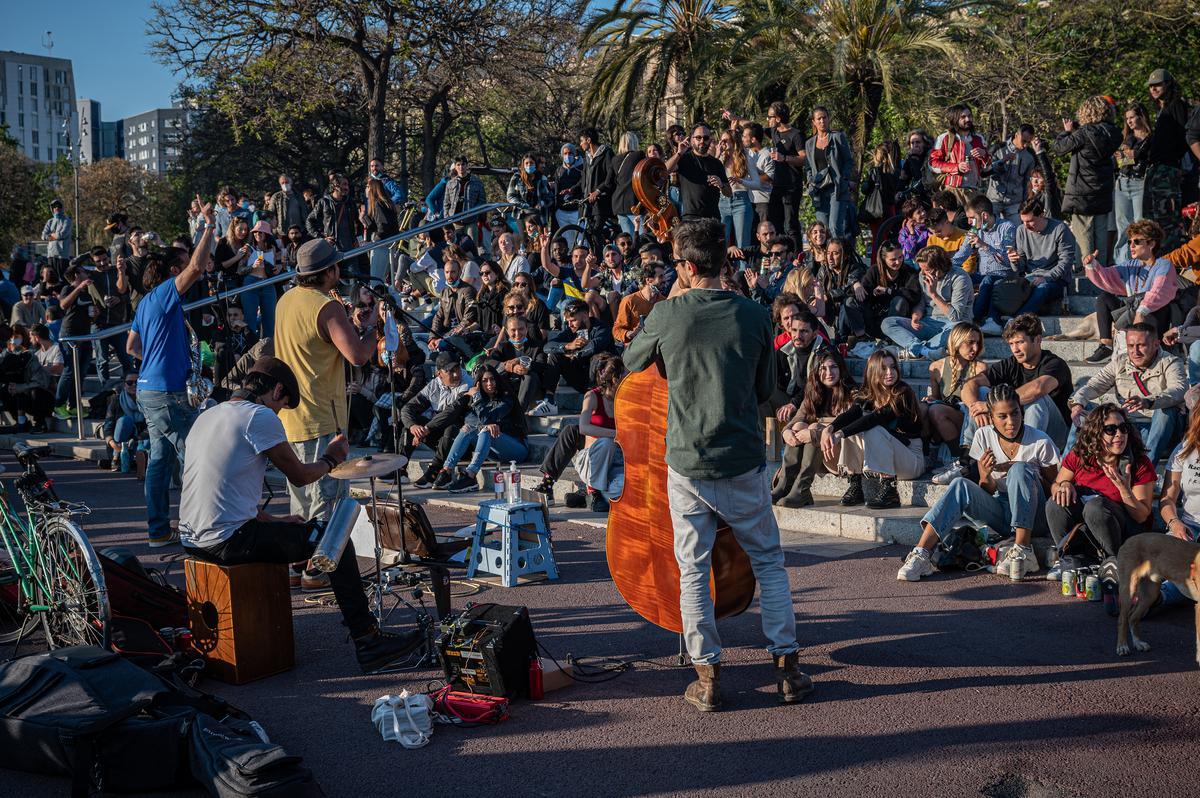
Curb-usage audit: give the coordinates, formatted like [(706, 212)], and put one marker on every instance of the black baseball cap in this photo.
[(446, 361), (282, 374)]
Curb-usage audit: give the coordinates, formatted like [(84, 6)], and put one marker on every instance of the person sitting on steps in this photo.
[(878, 437), (494, 423), (828, 392), (942, 410), (945, 300), (1017, 464)]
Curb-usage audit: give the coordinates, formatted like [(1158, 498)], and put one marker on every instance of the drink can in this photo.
[(993, 555), (498, 484), (843, 349), (1081, 585), (1068, 583), (1092, 588)]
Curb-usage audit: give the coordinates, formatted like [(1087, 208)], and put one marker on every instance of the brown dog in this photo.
[(1142, 563)]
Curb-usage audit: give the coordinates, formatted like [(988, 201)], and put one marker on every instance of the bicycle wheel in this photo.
[(70, 571), (572, 233)]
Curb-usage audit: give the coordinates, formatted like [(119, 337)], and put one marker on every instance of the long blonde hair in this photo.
[(800, 281), (736, 165), (960, 370)]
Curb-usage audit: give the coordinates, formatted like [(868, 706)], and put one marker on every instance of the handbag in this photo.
[(1010, 293), (872, 206)]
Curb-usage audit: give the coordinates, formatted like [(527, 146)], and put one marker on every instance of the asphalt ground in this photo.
[(957, 685)]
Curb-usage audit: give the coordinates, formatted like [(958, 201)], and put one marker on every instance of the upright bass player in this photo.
[(716, 349)]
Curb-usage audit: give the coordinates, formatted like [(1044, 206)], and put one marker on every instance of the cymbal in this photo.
[(373, 465)]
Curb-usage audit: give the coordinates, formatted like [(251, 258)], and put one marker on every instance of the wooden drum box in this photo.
[(241, 618)]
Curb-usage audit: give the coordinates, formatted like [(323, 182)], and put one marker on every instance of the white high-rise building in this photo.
[(37, 96)]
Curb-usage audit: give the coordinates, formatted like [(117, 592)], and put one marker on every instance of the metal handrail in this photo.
[(108, 332)]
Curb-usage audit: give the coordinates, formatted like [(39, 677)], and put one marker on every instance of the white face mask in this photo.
[(285, 186)]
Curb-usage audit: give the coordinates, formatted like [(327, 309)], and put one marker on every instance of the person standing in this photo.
[(702, 179), (1129, 196), (960, 155), (715, 344), (110, 295), (597, 185), (567, 178), (1163, 199), (159, 337), (288, 206), (830, 171), (787, 151), (77, 308), (1008, 177), (314, 336), (1091, 143), (57, 232)]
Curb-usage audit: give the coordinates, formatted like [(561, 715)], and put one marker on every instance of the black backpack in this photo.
[(957, 550), (110, 726)]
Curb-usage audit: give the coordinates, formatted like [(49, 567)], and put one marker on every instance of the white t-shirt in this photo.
[(1036, 449), (50, 356), (224, 469), (1189, 484)]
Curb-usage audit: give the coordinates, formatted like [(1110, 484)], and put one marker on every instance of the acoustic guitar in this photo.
[(641, 538)]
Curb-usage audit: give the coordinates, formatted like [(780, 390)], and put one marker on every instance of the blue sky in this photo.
[(107, 43)]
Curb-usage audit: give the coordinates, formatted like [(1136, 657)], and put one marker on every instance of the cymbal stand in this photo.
[(378, 556)]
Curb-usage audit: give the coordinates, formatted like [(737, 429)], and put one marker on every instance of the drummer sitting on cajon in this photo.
[(219, 518)]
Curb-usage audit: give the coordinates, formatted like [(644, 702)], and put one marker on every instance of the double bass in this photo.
[(640, 540), (651, 182)]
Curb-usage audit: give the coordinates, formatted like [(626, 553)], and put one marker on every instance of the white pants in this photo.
[(880, 452), (601, 466)]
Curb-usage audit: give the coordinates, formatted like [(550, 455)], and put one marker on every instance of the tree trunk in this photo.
[(433, 134), (872, 100), (375, 85)]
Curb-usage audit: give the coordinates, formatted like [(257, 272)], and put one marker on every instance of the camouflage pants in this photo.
[(1163, 203)]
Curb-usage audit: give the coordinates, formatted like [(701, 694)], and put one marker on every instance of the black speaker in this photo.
[(487, 649)]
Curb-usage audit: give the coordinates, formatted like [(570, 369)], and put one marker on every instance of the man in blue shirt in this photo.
[(992, 239), (160, 338)]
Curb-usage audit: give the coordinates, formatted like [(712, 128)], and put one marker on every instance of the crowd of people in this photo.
[(488, 318)]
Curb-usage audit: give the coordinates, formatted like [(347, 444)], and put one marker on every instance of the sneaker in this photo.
[(464, 483), (854, 492), (1100, 355), (1054, 574), (443, 480), (576, 499), (169, 539), (991, 327), (380, 649), (10, 429), (544, 408), (63, 413), (916, 565), (1018, 563), (885, 496), (546, 486), (317, 582), (598, 503), (948, 474), (427, 477)]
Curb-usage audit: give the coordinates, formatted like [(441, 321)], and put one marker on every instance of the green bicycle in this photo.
[(50, 577)]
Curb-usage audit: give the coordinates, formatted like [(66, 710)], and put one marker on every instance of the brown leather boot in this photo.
[(705, 693), (792, 683)]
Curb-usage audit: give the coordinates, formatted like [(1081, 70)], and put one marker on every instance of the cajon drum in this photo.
[(241, 618)]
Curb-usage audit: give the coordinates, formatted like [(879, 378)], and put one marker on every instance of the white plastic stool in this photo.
[(511, 556)]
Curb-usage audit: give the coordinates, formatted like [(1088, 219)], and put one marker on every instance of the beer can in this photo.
[(1068, 583), (1092, 588), (993, 555), (1081, 585)]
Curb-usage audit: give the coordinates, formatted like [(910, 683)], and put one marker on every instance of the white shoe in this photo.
[(990, 327), (1018, 563), (916, 565), (544, 408), (948, 474)]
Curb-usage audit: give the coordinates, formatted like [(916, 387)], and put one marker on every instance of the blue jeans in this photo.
[(1021, 507), (831, 212), (737, 214), (983, 299), (261, 300), (64, 394), (505, 447), (626, 222), (1041, 294), (1193, 363), (1127, 205), (1160, 432), (1042, 414), (931, 334), (169, 418), (125, 430)]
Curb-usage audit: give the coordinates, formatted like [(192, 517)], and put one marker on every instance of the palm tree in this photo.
[(646, 48), (861, 51)]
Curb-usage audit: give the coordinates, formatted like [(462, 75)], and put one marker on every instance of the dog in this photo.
[(1143, 562)]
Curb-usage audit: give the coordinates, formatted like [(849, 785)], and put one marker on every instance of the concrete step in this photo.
[(916, 372), (913, 493)]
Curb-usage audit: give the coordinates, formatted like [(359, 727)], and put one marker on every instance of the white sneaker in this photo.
[(916, 565), (990, 327), (1018, 563), (948, 474), (544, 408)]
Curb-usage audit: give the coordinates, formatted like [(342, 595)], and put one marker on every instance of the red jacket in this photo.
[(949, 151)]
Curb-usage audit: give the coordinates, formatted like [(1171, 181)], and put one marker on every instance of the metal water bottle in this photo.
[(498, 484), (536, 691)]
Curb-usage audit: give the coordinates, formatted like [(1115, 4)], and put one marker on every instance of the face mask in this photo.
[(287, 187), (568, 160), (207, 321), (246, 204), (453, 283), (250, 207), (519, 341), (655, 290), (530, 170), (15, 343)]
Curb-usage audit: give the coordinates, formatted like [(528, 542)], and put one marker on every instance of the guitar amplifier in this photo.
[(487, 649)]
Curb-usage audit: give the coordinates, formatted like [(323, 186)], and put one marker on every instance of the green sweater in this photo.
[(717, 350)]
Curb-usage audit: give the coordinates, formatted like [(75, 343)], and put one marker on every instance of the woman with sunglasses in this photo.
[(1017, 464), (1106, 483), (1143, 285), (521, 301), (124, 425), (486, 314), (829, 163)]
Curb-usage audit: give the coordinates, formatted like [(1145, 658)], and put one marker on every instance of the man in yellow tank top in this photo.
[(314, 337)]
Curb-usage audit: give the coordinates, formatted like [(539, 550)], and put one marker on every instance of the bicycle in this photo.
[(50, 576), (594, 239)]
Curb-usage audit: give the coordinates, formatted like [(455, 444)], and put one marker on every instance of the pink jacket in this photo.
[(1154, 286)]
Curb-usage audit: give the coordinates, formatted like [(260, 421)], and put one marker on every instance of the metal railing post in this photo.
[(78, 389)]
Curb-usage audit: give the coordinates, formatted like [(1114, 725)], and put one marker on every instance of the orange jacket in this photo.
[(1186, 259)]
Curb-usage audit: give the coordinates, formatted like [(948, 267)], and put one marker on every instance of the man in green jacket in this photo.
[(717, 354)]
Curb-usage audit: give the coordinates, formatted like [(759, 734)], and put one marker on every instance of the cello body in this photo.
[(641, 540), (651, 182)]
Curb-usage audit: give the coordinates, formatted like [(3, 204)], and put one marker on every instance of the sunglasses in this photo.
[(701, 138), (131, 382), (1137, 242), (1112, 429), (778, 253), (514, 308)]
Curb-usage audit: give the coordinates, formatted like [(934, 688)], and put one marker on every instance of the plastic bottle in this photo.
[(513, 492)]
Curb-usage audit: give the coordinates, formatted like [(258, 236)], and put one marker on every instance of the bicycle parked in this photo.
[(50, 577)]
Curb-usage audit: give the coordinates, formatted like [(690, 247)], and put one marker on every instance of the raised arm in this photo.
[(200, 255)]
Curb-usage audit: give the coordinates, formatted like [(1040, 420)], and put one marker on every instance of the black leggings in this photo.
[(1107, 522), (569, 443), (285, 542), (1107, 304)]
